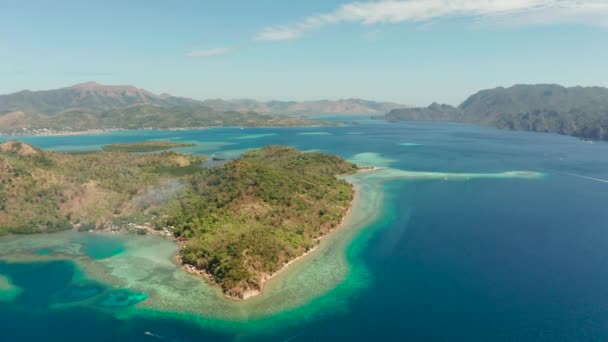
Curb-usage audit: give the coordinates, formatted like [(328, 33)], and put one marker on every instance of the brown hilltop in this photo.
[(18, 148), (13, 120), (116, 91)]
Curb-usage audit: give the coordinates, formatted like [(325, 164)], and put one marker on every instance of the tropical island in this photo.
[(576, 111), (236, 223), (244, 220)]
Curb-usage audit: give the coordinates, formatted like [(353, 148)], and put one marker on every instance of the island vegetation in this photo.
[(577, 111), (145, 146), (237, 223), (244, 220), (44, 191)]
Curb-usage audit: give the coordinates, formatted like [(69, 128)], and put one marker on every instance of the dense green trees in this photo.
[(239, 221), (248, 217)]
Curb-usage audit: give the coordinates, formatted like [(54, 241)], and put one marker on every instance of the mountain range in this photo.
[(91, 97), (94, 106), (344, 106), (575, 111)]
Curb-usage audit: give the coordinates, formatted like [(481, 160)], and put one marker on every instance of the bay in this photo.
[(451, 250)]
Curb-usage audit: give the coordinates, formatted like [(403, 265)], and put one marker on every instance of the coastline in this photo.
[(346, 220), (52, 133), (149, 266), (268, 279)]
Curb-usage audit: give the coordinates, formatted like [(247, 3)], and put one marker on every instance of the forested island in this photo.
[(244, 220), (577, 111), (145, 146), (236, 223)]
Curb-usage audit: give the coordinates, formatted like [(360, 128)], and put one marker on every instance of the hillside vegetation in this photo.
[(576, 111), (245, 219), (239, 222), (46, 191)]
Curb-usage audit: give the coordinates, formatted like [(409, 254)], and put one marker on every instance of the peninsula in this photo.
[(237, 223)]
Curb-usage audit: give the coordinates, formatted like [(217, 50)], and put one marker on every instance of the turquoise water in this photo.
[(467, 234), (101, 246)]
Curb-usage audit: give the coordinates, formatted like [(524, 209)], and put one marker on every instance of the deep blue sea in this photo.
[(478, 260)]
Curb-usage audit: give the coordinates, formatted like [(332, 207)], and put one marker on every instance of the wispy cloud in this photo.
[(513, 12), (209, 52)]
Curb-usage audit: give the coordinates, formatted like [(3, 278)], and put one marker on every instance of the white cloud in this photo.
[(209, 52), (291, 32), (513, 12)]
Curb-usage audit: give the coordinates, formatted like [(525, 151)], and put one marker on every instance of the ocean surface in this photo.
[(467, 234)]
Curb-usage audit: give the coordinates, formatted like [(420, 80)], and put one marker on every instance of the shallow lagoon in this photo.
[(443, 239)]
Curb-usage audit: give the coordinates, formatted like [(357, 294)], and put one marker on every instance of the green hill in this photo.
[(237, 222), (247, 218), (45, 191)]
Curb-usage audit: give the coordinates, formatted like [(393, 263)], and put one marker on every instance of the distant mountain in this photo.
[(347, 106), (576, 111), (434, 112), (90, 97), (95, 106)]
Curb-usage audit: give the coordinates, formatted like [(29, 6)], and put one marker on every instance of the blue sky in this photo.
[(413, 51)]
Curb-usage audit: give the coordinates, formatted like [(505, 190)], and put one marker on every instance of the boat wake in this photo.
[(160, 337), (587, 178)]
